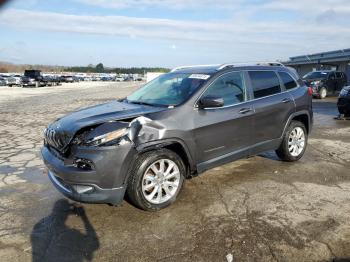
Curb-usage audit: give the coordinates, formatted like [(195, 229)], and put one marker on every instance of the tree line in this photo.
[(99, 68), (6, 67)]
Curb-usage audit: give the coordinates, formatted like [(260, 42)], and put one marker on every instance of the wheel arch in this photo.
[(175, 145), (301, 116)]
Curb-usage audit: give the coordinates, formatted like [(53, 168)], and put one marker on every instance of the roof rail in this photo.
[(223, 66), (185, 67)]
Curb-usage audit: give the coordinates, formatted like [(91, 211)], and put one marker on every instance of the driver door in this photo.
[(224, 134)]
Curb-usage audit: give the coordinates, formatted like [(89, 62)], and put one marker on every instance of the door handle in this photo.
[(286, 100), (245, 110)]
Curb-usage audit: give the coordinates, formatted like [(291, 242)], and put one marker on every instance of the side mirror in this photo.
[(211, 102)]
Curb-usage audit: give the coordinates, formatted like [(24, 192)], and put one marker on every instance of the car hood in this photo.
[(313, 79), (60, 133)]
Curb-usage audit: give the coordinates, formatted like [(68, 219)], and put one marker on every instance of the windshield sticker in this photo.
[(199, 76)]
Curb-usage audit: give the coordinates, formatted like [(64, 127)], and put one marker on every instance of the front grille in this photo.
[(56, 153), (55, 139)]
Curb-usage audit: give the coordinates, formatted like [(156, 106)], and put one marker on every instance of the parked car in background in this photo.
[(77, 78), (5, 78), (51, 80), (3, 81), (28, 82), (67, 79), (325, 82), (34, 76), (96, 78), (344, 102), (15, 80), (119, 79), (129, 78), (175, 127), (56, 79)]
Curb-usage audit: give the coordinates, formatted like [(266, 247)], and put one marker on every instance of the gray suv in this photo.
[(175, 127)]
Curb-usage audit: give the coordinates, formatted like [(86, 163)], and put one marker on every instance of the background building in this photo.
[(335, 60)]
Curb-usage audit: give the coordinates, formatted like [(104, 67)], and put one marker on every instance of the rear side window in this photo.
[(265, 83), (288, 81)]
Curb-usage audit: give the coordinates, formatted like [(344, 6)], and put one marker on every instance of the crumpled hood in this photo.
[(61, 132)]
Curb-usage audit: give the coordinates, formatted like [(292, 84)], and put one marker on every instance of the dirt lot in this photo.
[(257, 209)]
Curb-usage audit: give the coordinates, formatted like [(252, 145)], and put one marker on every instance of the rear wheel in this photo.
[(155, 179), (294, 142)]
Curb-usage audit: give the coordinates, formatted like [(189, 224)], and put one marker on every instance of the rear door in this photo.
[(219, 132), (332, 82), (273, 105)]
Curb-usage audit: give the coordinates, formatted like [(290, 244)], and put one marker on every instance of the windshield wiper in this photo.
[(140, 103)]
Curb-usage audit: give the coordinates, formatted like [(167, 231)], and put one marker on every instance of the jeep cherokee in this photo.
[(175, 127)]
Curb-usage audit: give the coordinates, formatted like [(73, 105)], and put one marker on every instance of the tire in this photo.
[(323, 93), (140, 190), (289, 150)]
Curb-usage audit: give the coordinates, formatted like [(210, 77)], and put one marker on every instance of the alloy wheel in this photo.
[(296, 141), (161, 181)]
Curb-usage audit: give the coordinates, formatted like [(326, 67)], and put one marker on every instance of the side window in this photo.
[(287, 80), (331, 76), (230, 87), (264, 83)]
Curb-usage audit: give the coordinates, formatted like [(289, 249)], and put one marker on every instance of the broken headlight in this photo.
[(107, 139), (344, 92)]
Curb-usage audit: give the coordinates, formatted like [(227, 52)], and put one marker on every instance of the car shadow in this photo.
[(53, 240), (270, 155)]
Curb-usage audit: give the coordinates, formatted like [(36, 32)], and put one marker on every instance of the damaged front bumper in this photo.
[(87, 193), (104, 182)]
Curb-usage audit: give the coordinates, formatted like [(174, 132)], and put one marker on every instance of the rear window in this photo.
[(288, 81), (339, 75), (265, 83)]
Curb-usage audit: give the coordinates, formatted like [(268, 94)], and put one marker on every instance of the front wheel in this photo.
[(294, 142), (323, 93), (155, 179)]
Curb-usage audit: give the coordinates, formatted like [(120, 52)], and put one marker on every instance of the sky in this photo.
[(168, 33)]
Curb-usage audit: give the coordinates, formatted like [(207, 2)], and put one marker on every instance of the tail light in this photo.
[(310, 91)]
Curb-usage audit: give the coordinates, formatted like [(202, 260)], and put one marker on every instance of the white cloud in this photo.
[(322, 27), (226, 31), (168, 4), (302, 6)]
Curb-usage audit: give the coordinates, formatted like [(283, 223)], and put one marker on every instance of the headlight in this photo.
[(315, 83), (344, 92), (107, 138)]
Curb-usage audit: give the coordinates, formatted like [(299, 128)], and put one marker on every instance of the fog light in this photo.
[(81, 189), (83, 164)]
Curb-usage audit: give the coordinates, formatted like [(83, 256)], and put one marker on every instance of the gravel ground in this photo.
[(256, 209)]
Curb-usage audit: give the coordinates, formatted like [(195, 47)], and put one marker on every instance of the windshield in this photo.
[(169, 89), (317, 74)]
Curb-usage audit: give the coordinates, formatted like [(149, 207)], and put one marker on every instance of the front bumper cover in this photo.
[(97, 195), (107, 178)]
